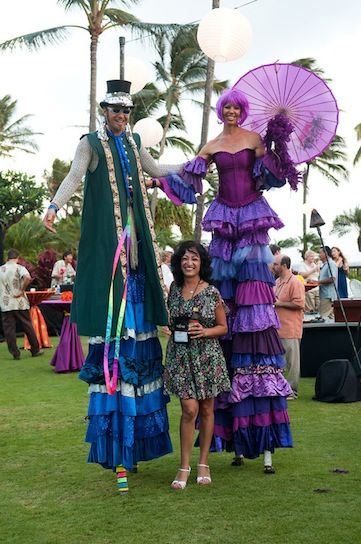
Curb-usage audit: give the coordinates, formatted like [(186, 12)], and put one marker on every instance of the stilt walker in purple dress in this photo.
[(252, 419)]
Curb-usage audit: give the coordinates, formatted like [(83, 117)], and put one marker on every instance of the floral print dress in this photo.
[(196, 370)]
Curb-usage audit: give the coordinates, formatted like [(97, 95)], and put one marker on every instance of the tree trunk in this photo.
[(204, 135), (304, 200), (93, 81), (2, 237)]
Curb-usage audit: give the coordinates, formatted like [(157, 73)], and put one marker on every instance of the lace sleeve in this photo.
[(83, 159), (153, 168)]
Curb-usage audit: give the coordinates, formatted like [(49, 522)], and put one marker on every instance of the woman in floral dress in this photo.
[(195, 366)]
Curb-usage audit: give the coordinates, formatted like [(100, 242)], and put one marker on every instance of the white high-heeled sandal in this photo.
[(181, 484), (203, 480)]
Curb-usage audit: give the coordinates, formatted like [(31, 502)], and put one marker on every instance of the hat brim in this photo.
[(105, 104)]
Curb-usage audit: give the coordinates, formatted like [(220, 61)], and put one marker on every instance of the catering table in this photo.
[(37, 319), (68, 356)]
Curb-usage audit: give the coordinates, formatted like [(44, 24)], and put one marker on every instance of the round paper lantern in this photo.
[(137, 72), (150, 131), (224, 34)]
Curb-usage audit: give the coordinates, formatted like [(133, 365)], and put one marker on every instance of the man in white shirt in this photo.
[(167, 273), (14, 304), (309, 270), (63, 271)]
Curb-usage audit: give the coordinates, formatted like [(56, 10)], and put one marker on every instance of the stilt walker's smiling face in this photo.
[(231, 114), (117, 118)]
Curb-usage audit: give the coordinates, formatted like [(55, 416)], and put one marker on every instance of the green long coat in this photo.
[(98, 242)]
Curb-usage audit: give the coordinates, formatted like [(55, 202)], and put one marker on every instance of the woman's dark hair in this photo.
[(175, 263), (66, 253)]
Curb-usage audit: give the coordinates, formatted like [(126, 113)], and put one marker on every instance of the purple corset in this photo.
[(236, 184)]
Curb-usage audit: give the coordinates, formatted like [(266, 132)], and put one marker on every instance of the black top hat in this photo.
[(118, 86), (118, 92)]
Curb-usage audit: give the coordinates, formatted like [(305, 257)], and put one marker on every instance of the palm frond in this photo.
[(357, 156), (180, 143), (35, 40), (120, 17)]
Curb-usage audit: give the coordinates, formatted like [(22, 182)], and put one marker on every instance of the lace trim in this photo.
[(127, 389), (129, 333)]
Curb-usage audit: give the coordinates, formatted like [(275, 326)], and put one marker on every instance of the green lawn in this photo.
[(48, 493)]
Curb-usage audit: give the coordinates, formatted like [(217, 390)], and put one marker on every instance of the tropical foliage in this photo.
[(14, 134), (167, 217), (308, 241), (348, 221), (19, 195), (331, 163), (30, 237), (358, 153), (54, 178), (100, 15), (181, 71)]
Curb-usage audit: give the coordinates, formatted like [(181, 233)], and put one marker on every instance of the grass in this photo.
[(49, 495)]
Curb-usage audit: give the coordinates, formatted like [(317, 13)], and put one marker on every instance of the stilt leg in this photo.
[(122, 480), (267, 462)]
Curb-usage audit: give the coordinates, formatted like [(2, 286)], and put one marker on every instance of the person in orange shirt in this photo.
[(290, 305)]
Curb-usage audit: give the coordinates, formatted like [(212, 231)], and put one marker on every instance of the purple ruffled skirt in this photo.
[(253, 416)]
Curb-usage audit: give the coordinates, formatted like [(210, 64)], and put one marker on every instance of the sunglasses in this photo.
[(119, 109)]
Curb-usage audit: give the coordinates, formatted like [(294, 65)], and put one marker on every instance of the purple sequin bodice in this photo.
[(236, 185)]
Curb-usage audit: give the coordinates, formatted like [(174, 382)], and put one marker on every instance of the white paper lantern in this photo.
[(224, 34), (137, 72), (150, 131)]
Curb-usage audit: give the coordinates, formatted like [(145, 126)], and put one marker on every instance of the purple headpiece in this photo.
[(236, 97)]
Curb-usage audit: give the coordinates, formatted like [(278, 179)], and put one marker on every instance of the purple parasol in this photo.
[(302, 96)]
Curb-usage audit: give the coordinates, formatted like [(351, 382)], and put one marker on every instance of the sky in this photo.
[(53, 83)]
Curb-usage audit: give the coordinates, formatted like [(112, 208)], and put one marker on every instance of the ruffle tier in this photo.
[(252, 220), (247, 360), (129, 426), (253, 319), (233, 250), (258, 385), (254, 292), (140, 362), (252, 426), (266, 342)]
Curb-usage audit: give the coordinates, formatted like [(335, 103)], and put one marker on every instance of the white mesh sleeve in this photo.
[(84, 159), (153, 168)]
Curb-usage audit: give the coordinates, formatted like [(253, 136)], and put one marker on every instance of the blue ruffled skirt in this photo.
[(131, 425)]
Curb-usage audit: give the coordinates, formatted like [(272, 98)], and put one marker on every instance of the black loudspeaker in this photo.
[(337, 381)]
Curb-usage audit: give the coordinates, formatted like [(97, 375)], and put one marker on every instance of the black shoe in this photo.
[(237, 462), (17, 357), (268, 469), (37, 354)]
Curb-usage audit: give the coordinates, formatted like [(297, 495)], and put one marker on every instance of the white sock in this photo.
[(267, 458)]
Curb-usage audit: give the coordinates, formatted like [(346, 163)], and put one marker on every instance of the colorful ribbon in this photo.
[(125, 239)]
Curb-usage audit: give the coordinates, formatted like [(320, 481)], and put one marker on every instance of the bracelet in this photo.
[(154, 183), (54, 207)]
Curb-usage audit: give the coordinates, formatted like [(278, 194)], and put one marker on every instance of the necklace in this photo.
[(192, 291)]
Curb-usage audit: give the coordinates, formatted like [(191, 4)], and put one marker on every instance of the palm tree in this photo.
[(29, 237), (54, 178), (331, 163), (100, 16), (14, 135), (181, 69), (347, 221), (358, 134), (146, 104), (168, 215)]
